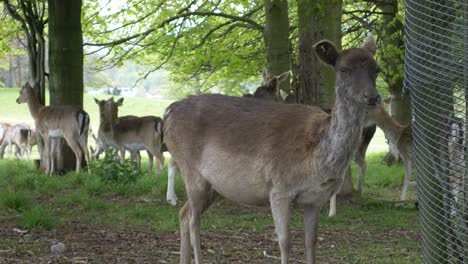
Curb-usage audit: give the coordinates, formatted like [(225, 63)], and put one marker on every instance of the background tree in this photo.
[(32, 19), (277, 39), (65, 60), (203, 44)]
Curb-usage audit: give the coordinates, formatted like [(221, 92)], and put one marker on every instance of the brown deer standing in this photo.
[(54, 122), (267, 91), (130, 133), (400, 136), (19, 137), (260, 152), (270, 92)]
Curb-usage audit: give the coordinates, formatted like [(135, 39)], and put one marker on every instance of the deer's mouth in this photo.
[(372, 102)]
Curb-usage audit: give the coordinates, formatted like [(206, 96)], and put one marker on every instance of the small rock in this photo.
[(58, 248)]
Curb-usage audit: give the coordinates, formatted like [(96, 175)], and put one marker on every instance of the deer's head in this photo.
[(270, 86), (25, 93), (109, 109), (356, 70)]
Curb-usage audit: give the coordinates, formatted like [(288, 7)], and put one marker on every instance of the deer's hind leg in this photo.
[(200, 196)]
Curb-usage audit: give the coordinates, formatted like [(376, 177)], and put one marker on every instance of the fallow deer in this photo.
[(101, 147), (366, 137), (4, 126), (400, 136), (18, 137), (267, 91), (54, 122), (130, 133), (260, 152)]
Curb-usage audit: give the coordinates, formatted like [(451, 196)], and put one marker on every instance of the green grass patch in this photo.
[(19, 201), (38, 217)]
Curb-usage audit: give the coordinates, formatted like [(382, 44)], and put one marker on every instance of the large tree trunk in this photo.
[(317, 20), (277, 39), (65, 60), (392, 40)]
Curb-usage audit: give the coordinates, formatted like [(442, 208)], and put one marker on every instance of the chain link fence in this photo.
[(436, 74)]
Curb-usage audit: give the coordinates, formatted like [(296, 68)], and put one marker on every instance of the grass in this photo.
[(19, 113), (35, 201)]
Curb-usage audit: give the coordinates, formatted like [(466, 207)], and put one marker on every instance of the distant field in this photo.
[(12, 112)]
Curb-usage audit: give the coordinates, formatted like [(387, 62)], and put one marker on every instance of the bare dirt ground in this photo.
[(109, 244)]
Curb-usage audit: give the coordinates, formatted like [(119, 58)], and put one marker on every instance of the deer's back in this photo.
[(249, 135), (135, 129), (59, 116)]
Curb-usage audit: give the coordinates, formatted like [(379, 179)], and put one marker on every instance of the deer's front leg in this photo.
[(311, 223), (280, 209)]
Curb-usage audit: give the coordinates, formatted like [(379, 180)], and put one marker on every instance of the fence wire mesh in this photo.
[(436, 74)]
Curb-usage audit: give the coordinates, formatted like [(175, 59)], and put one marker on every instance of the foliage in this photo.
[(111, 172), (201, 43)]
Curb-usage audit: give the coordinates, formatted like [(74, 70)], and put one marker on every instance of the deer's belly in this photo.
[(238, 187), (135, 146), (55, 133)]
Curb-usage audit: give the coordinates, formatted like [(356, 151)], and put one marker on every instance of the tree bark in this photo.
[(65, 60), (317, 20), (276, 37), (400, 107)]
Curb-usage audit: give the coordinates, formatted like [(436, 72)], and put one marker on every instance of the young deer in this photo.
[(130, 133), (260, 152), (55, 122), (19, 137), (400, 136)]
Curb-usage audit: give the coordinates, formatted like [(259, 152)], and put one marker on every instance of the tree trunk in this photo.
[(277, 39), (317, 20), (400, 108), (11, 71), (65, 60)]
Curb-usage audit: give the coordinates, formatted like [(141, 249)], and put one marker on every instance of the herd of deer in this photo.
[(248, 150)]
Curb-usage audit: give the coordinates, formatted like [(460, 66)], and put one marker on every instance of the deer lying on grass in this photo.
[(19, 137), (130, 133), (54, 122), (283, 153)]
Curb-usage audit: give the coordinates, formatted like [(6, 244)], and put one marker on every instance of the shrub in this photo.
[(113, 172)]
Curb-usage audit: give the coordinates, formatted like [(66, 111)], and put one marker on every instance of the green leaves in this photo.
[(201, 43)]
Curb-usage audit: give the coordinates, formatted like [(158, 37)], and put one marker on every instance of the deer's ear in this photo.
[(370, 45), (120, 101), (283, 77), (96, 100), (327, 52)]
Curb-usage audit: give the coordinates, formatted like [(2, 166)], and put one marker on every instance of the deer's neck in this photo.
[(34, 107), (390, 127), (339, 145)]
